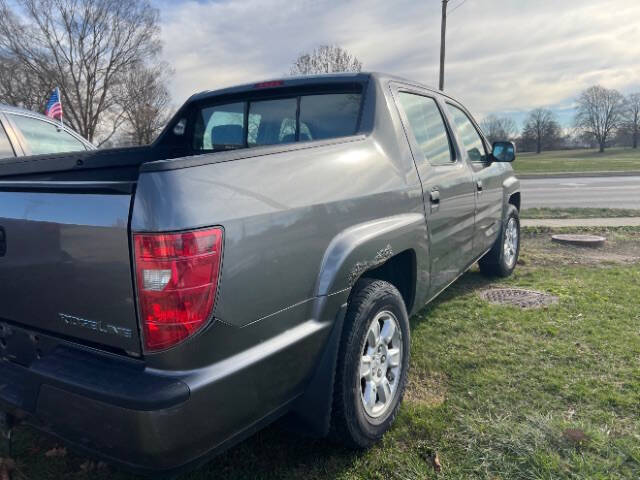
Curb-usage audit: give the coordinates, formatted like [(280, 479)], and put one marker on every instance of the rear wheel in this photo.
[(501, 260), (373, 363)]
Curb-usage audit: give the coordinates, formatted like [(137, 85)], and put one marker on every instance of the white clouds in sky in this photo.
[(502, 55)]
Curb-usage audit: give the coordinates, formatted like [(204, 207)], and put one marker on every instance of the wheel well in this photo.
[(400, 271), (514, 200)]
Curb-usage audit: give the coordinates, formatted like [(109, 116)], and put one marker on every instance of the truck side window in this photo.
[(468, 134), (6, 150), (44, 137), (428, 128)]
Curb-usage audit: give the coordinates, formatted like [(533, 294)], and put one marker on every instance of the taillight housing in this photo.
[(177, 281)]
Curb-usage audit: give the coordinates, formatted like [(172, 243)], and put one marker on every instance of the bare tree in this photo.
[(85, 47), (632, 117), (325, 59), (600, 113), (499, 128), (145, 102), (541, 129), (20, 87)]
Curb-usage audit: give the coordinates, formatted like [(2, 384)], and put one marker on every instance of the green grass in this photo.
[(538, 213), (493, 389), (612, 160)]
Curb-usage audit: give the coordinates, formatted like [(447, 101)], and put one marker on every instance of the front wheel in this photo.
[(501, 260), (373, 364)]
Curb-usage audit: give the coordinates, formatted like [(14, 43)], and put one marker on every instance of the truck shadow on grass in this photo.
[(277, 452)]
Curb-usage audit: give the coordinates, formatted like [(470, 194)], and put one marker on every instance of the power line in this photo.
[(457, 7)]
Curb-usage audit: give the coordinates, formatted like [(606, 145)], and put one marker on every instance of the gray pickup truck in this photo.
[(261, 258)]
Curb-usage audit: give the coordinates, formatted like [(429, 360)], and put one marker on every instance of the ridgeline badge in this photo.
[(95, 325)]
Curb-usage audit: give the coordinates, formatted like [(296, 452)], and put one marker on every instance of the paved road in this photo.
[(606, 192)]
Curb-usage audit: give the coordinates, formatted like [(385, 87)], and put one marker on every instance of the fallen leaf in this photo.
[(56, 452), (436, 463), (575, 435)]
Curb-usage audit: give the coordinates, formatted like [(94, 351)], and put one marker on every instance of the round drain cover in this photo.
[(518, 297), (579, 240)]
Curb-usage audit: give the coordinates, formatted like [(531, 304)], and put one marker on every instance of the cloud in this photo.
[(502, 55)]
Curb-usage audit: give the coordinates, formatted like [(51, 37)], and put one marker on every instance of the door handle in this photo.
[(435, 196), (479, 185)]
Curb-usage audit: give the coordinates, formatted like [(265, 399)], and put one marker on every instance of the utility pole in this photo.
[(443, 35)]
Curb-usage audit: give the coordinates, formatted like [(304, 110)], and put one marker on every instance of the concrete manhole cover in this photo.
[(579, 240), (518, 297)]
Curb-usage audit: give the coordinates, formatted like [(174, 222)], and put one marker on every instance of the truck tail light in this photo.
[(177, 280)]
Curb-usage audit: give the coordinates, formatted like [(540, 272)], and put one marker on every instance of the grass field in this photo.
[(612, 160), (544, 212), (496, 392)]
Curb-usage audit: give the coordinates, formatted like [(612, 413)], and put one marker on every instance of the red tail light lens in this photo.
[(177, 279)]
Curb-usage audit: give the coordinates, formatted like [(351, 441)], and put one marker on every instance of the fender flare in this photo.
[(368, 245), (351, 253)]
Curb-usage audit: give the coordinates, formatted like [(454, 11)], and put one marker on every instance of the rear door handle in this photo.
[(434, 196), (479, 185)]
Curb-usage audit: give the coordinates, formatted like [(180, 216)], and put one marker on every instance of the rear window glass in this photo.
[(329, 116), (274, 121), (219, 127)]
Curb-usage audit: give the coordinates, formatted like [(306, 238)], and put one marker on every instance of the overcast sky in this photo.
[(503, 56)]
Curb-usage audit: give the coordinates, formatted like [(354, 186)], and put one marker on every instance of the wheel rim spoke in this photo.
[(393, 356), (388, 330), (370, 395), (373, 337), (365, 367), (384, 391)]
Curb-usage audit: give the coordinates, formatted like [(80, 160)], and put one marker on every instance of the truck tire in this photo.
[(372, 365), (501, 260)]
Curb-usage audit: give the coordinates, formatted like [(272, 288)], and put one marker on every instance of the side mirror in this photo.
[(504, 152)]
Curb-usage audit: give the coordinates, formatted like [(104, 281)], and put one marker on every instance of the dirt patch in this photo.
[(426, 389), (622, 248)]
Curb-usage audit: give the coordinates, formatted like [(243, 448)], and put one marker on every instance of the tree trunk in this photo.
[(538, 146), (601, 147), (635, 137)]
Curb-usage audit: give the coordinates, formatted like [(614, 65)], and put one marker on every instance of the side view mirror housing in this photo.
[(504, 152)]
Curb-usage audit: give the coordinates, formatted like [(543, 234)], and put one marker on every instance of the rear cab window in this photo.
[(272, 121)]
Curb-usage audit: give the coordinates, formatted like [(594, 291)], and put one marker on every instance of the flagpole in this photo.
[(61, 114)]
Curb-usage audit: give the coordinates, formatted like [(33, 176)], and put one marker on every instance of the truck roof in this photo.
[(293, 81)]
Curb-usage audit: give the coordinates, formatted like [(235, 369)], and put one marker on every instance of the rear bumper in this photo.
[(108, 407), (153, 421)]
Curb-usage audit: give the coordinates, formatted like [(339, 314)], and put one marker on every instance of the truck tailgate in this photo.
[(64, 262)]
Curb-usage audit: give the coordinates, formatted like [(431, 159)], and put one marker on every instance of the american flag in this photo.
[(54, 106)]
